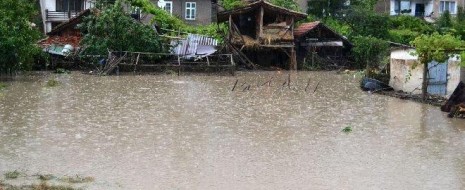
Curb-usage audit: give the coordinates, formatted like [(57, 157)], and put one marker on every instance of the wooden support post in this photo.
[(137, 61), (293, 60), (292, 28), (260, 23), (232, 60)]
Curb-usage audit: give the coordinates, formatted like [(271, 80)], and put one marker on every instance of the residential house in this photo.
[(195, 12), (419, 8), (55, 12)]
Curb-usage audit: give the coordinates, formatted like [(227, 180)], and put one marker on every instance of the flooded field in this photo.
[(193, 132)]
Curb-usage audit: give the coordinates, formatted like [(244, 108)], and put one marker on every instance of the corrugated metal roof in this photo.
[(190, 45), (305, 28)]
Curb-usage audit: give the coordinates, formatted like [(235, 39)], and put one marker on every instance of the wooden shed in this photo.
[(262, 33), (314, 40)]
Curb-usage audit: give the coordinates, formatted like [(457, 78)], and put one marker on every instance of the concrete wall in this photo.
[(462, 74), (406, 79)]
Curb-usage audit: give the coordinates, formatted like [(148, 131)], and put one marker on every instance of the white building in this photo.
[(407, 74), (55, 12), (419, 8)]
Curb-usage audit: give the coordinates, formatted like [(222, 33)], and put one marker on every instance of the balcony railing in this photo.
[(55, 15)]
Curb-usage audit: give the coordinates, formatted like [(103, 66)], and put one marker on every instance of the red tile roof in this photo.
[(305, 28)]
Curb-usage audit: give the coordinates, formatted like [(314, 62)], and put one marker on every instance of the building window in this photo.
[(447, 6), (190, 10), (135, 12), (402, 6), (69, 5), (169, 6)]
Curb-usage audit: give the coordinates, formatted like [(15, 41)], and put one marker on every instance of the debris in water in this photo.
[(234, 87), (347, 129)]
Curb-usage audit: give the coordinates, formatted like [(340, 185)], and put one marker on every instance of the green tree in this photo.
[(365, 22), (325, 8), (113, 29), (435, 47), (17, 35)]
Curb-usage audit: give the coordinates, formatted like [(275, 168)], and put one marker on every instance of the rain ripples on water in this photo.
[(194, 132)]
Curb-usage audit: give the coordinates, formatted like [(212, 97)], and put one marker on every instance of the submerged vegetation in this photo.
[(12, 174), (52, 83), (347, 129), (41, 186), (3, 85), (62, 71), (77, 179), (57, 183)]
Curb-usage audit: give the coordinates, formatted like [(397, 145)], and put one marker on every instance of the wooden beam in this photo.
[(230, 27), (260, 24)]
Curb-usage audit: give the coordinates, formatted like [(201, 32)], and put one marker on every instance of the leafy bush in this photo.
[(369, 51), (113, 29), (231, 4), (406, 22), (338, 26), (444, 21), (403, 36)]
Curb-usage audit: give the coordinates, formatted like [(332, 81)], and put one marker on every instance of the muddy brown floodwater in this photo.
[(193, 132)]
